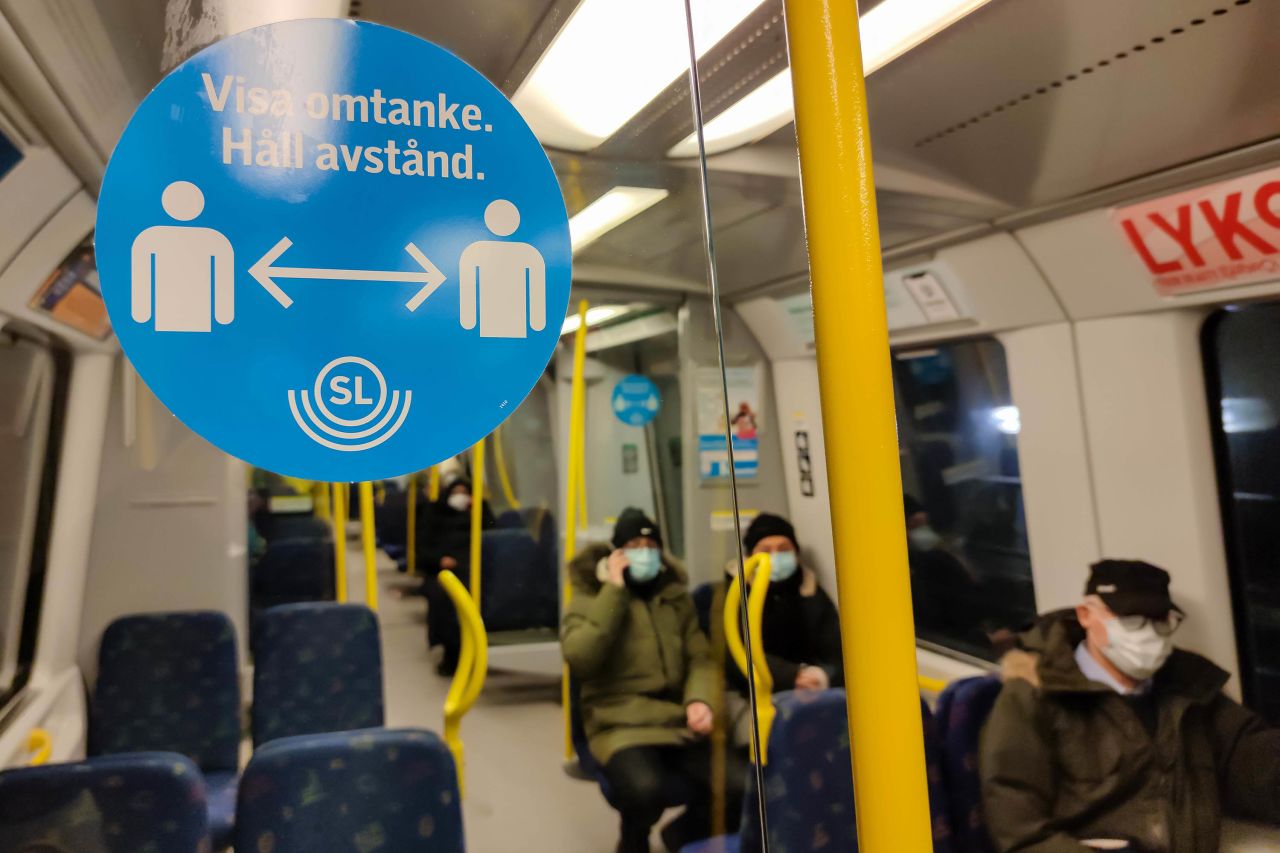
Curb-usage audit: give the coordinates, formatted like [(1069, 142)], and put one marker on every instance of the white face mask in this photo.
[(924, 538), (461, 501), (1138, 653)]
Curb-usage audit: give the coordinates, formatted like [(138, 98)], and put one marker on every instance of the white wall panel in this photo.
[(1057, 490), (1149, 438)]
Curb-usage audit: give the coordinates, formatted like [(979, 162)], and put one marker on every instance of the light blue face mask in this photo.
[(645, 563), (782, 565)]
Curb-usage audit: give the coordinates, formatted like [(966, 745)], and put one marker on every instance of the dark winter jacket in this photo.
[(639, 660), (443, 531), (1065, 759), (800, 628)]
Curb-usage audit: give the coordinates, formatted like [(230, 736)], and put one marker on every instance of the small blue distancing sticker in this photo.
[(636, 400), (333, 249)]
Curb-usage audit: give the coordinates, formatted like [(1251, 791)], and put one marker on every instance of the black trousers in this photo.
[(644, 777)]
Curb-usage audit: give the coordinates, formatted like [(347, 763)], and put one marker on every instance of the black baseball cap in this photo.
[(632, 524), (1131, 588)]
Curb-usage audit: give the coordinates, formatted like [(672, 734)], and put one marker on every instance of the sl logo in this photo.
[(345, 383)]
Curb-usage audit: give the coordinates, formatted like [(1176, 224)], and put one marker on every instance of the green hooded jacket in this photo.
[(638, 662), (1065, 759)]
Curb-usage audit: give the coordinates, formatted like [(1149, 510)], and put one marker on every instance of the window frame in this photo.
[(934, 643), (38, 564), (1225, 483)]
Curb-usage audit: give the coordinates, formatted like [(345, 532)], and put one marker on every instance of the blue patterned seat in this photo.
[(520, 588), (351, 791), (809, 782), (170, 682), (962, 710), (317, 668), (151, 801)]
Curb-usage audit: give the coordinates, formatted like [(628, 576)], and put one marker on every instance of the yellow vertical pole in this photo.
[(477, 516), (368, 538), (411, 530), (573, 472), (340, 540), (433, 484), (861, 434)]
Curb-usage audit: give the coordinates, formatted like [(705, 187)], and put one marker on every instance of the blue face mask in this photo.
[(782, 565), (645, 563)]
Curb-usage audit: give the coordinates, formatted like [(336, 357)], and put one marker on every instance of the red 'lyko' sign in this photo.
[(1213, 236)]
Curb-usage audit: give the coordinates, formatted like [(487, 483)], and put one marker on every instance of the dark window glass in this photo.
[(967, 533), (1242, 352)]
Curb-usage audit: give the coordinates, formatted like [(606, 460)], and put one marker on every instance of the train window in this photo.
[(967, 533), (29, 380), (1241, 347)]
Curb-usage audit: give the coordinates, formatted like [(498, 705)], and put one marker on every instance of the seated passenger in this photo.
[(632, 641), (946, 600), (444, 542), (801, 630), (1105, 736)]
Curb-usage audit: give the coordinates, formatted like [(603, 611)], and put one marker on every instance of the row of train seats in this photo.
[(165, 733), (808, 778)]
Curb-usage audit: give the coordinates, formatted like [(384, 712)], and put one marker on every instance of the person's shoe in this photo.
[(679, 832)]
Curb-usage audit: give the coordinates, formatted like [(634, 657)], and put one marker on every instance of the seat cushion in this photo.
[(222, 807), (377, 789), (154, 801), (318, 668), (719, 844), (169, 682)]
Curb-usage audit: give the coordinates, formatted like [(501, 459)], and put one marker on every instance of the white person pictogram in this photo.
[(502, 281), (182, 274)]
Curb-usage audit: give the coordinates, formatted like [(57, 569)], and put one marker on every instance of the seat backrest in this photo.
[(169, 682), (317, 668), (962, 711), (152, 801), (809, 778), (393, 790), (519, 589), (297, 564)]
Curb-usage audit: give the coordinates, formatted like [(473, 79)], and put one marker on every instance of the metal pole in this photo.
[(861, 433)]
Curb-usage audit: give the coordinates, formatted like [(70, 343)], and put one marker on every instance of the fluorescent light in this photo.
[(888, 31), (595, 316), (610, 59), (609, 211), (758, 114)]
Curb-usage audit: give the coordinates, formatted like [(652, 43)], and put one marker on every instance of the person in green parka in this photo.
[(632, 641)]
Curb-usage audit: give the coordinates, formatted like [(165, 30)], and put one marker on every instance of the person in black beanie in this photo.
[(801, 629)]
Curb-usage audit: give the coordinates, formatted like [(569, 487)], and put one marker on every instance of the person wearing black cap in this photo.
[(1106, 736), (800, 627), (632, 642)]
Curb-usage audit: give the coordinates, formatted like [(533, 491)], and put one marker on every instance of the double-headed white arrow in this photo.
[(430, 278)]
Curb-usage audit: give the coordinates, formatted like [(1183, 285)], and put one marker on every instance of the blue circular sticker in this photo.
[(333, 249), (636, 400)]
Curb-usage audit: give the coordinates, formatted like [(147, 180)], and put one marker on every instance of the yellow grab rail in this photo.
[(411, 531), (340, 541), (756, 571), (477, 514), (433, 484), (573, 473), (40, 744), (473, 667), (503, 477), (931, 685), (368, 538), (855, 384)]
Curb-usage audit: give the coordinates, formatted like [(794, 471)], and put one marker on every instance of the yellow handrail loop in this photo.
[(756, 570), (40, 744), (504, 478), (473, 668)]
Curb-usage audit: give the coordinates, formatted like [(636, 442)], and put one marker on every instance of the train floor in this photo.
[(517, 794)]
